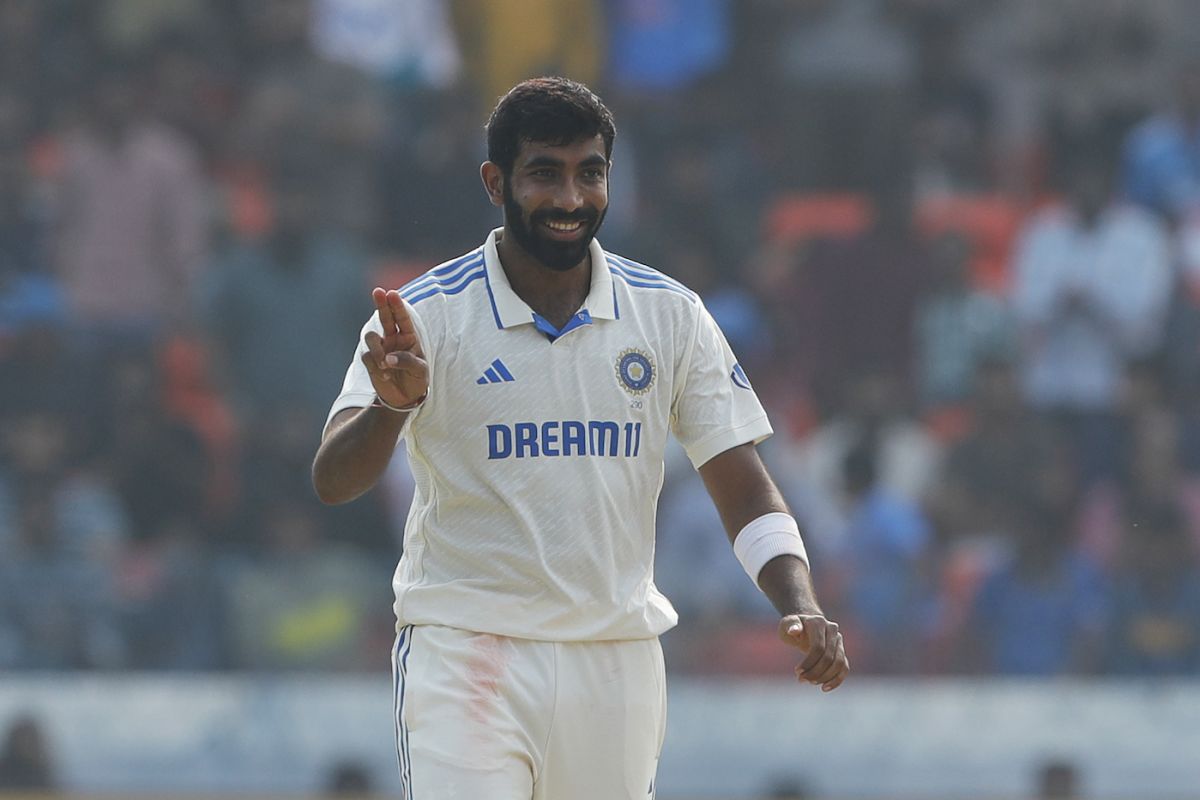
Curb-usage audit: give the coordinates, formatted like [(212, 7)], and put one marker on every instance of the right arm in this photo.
[(355, 451), (358, 442)]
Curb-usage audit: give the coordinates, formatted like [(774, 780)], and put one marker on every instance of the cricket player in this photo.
[(535, 380)]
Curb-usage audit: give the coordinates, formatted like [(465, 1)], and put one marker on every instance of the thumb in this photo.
[(792, 631), (406, 361)]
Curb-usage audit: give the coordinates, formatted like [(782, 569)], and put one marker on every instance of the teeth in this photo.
[(563, 226)]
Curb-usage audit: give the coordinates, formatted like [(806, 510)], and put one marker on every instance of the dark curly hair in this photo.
[(552, 110)]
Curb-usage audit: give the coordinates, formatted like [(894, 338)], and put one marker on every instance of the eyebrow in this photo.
[(549, 161)]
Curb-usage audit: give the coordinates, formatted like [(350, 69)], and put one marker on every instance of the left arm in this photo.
[(743, 491)]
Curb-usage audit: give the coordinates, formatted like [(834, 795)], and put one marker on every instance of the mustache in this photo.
[(555, 216)]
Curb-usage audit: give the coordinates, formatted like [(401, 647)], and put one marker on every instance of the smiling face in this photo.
[(554, 199)]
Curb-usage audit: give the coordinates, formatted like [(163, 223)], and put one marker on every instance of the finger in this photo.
[(791, 631), (817, 672), (403, 361), (402, 341), (843, 669), (828, 666), (384, 309), (815, 628), (375, 370), (838, 681), (400, 314), (375, 349)]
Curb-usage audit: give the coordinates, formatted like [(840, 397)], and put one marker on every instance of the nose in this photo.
[(569, 197)]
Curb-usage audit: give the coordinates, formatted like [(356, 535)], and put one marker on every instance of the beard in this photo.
[(552, 254)]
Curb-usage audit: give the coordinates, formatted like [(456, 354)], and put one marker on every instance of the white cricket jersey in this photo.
[(538, 455)]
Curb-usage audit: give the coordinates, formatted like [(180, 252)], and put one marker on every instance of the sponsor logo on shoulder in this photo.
[(738, 376)]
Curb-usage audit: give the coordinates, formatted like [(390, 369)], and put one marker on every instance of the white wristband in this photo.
[(771, 535)]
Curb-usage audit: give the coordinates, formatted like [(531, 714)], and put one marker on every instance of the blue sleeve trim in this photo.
[(416, 298), (440, 278)]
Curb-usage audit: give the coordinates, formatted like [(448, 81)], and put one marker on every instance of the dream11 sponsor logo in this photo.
[(566, 438)]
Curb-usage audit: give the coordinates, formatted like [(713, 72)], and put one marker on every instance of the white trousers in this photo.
[(485, 717)]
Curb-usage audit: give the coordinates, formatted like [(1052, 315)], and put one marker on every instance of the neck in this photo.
[(555, 295)]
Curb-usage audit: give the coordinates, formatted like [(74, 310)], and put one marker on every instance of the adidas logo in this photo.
[(496, 373)]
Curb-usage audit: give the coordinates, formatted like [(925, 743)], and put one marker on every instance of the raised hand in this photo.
[(825, 663), (395, 360)]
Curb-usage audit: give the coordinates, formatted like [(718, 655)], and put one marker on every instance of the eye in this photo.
[(544, 172), (593, 174)]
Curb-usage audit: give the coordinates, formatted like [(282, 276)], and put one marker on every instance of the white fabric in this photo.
[(389, 39), (485, 716), (509, 534), (1088, 301), (765, 538)]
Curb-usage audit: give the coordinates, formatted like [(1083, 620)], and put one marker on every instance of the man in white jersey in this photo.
[(535, 381)]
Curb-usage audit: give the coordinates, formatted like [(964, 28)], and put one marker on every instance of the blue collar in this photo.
[(578, 321)]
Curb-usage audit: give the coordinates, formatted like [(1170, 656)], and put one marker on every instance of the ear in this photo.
[(493, 182)]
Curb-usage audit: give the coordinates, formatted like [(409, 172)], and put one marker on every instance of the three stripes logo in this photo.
[(496, 373)]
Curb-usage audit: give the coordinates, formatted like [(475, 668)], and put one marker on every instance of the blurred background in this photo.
[(955, 244)]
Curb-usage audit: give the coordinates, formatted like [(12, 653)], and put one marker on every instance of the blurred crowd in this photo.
[(955, 244)]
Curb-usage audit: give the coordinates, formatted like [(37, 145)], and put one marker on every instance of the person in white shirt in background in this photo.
[(1092, 284)]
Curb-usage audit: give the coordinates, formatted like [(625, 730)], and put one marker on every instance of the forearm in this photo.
[(751, 506), (355, 453), (786, 582), (743, 491)]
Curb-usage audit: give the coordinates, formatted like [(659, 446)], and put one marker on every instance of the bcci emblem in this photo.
[(635, 371)]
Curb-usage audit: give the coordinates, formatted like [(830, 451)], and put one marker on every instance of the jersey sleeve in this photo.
[(715, 407), (357, 390)]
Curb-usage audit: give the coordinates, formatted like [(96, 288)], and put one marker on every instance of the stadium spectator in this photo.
[(871, 409), (867, 287), (951, 147), (128, 267), (58, 604), (1162, 154), (437, 149), (26, 761), (551, 37), (668, 48), (1092, 280), (1044, 610), (1003, 454), (29, 296), (295, 99), (273, 305), (843, 76), (130, 26), (62, 528), (40, 55), (1181, 354), (158, 464), (349, 778), (957, 327), (1058, 779), (171, 604), (305, 603), (787, 787), (191, 87), (992, 462), (275, 450), (407, 44), (1155, 627), (882, 563), (1152, 473)]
